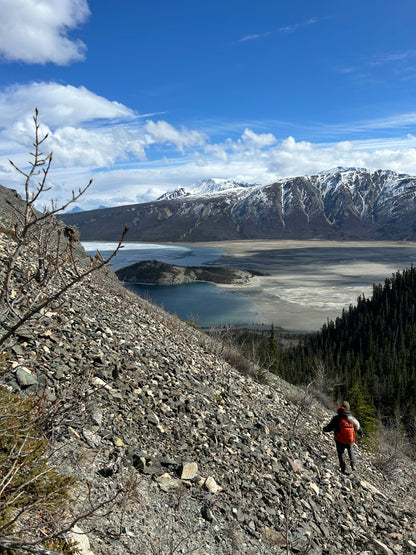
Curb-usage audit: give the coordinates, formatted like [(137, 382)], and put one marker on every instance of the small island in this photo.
[(153, 272)]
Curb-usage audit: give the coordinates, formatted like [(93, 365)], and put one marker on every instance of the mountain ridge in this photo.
[(340, 204)]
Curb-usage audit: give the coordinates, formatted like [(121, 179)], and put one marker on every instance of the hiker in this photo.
[(344, 426)]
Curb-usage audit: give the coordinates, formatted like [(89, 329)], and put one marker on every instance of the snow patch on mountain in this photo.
[(211, 186), (337, 192), (169, 195), (214, 186)]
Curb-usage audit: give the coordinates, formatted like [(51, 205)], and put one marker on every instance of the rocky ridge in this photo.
[(220, 463), (341, 204)]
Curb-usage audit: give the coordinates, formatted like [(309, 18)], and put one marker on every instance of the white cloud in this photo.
[(89, 148), (216, 151), (132, 160), (36, 31), (259, 140), (255, 36), (287, 29), (84, 128), (297, 158), (163, 132), (393, 57), (58, 105), (294, 27)]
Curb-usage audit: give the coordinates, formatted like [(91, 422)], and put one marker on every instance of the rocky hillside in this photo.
[(217, 462), (340, 204)]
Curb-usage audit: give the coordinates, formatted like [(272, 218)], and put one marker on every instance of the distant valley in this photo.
[(342, 204)]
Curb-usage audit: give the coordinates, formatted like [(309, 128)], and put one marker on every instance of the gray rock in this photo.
[(93, 439), (189, 471), (211, 485), (207, 513), (153, 418), (25, 378), (169, 484)]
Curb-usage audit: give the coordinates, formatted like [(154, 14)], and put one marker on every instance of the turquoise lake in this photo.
[(201, 303)]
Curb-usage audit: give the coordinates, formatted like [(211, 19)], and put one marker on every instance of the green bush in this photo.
[(33, 495)]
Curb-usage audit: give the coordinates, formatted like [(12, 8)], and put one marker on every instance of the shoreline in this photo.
[(309, 282)]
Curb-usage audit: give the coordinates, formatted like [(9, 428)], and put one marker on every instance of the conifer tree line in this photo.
[(368, 353)]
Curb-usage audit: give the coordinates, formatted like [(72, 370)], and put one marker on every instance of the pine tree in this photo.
[(363, 408), (273, 351)]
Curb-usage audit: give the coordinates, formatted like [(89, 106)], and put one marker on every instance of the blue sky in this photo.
[(145, 97)]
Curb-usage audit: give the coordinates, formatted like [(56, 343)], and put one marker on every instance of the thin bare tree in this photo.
[(29, 285)]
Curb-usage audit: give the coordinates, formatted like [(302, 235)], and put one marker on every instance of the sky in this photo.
[(148, 96)]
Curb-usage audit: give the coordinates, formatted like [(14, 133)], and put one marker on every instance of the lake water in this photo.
[(307, 282), (181, 255), (204, 304)]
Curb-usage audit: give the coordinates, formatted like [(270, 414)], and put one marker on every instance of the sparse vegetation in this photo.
[(39, 265), (33, 495), (222, 339)]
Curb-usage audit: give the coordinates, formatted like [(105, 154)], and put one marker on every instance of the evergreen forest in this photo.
[(367, 355)]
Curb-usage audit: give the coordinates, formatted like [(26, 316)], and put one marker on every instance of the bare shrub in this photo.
[(32, 283), (393, 447), (303, 402), (303, 399), (319, 388), (221, 342)]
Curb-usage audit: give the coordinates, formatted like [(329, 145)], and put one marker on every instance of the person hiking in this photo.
[(344, 426)]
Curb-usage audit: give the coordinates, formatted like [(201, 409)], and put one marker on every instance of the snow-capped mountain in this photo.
[(74, 209), (212, 186), (169, 195), (337, 204)]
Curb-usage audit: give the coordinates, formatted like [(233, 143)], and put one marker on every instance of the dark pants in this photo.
[(341, 447)]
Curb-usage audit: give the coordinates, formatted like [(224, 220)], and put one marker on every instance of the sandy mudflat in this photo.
[(311, 281)]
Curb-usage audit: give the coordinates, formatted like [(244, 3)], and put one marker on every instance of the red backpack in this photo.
[(346, 432)]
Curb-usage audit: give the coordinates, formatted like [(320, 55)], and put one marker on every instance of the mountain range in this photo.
[(340, 204)]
